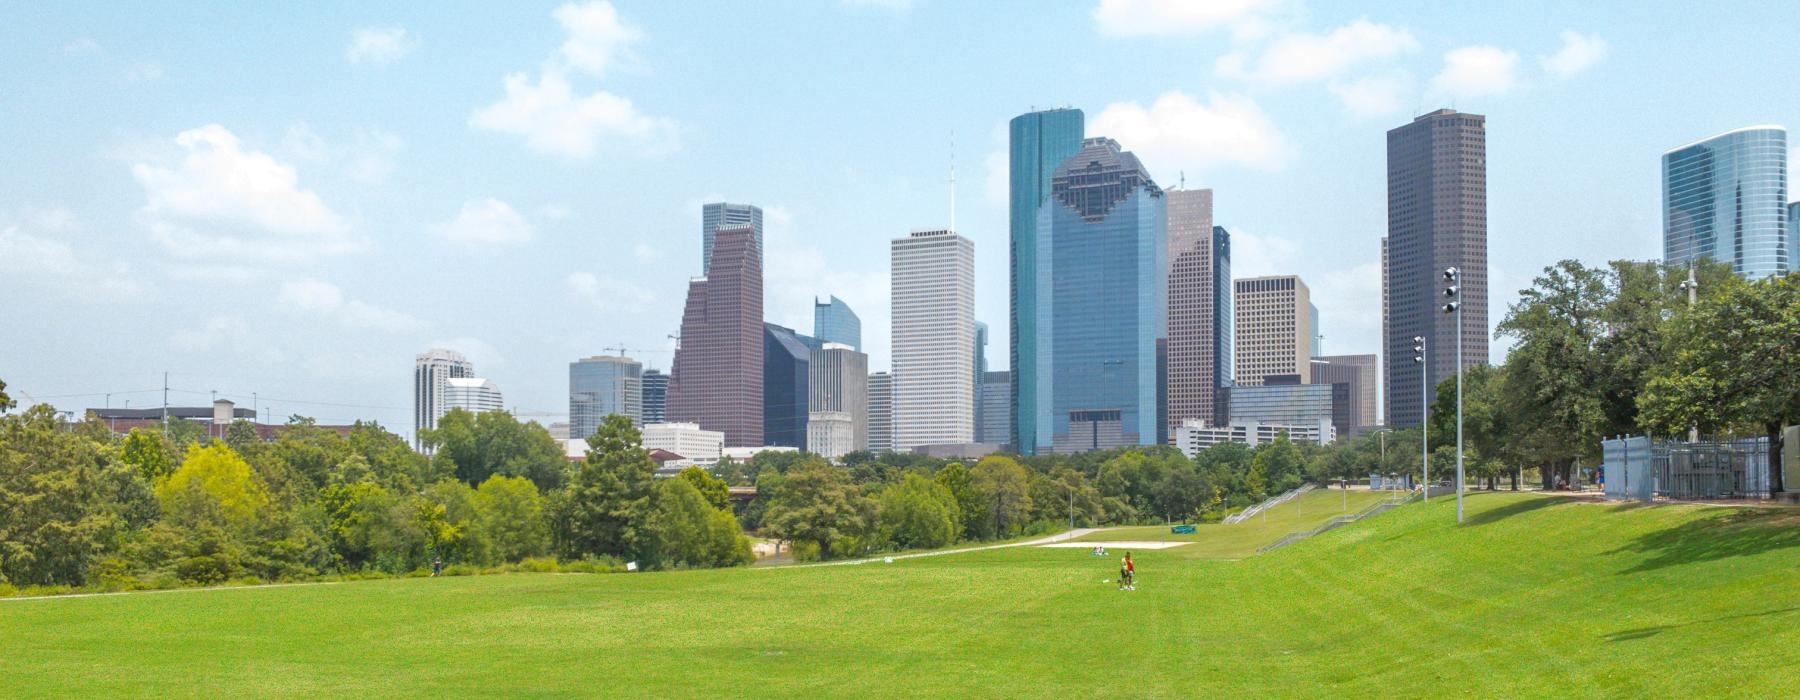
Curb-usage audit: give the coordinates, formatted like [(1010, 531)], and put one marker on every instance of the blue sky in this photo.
[(294, 201)]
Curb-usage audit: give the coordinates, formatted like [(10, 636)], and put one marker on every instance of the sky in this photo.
[(285, 204)]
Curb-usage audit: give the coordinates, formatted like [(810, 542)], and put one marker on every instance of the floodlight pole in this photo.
[(1455, 307), (1419, 356)]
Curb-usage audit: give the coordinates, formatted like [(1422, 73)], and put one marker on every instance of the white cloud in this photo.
[(1372, 96), (1256, 255), (485, 220), (1182, 17), (1476, 71), (325, 299), (554, 120), (1301, 57), (250, 204), (143, 72), (1579, 52), (1178, 131), (596, 35), (221, 331), (379, 46), (645, 252), (41, 252), (608, 293)]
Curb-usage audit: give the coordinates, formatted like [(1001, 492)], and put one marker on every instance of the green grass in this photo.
[(1221, 541), (1536, 597)]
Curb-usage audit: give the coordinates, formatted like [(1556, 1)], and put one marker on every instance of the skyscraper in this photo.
[(840, 383), (1317, 340), (1274, 329), (604, 385), (721, 215), (1037, 143), (981, 343), (1437, 218), (1358, 371), (934, 344), (1088, 373), (881, 412), (432, 371), (786, 372), (717, 377), (995, 409), (656, 396), (1200, 312), (472, 394), (834, 322), (1725, 198)]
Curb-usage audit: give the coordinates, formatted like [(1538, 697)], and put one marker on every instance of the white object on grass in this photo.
[(631, 566)]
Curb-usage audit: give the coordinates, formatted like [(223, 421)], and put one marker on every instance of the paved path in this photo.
[(1063, 537)]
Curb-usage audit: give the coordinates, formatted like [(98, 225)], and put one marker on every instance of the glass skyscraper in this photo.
[(600, 386), (1038, 142), (725, 215), (656, 396), (834, 322), (1098, 306), (786, 372), (1725, 198)]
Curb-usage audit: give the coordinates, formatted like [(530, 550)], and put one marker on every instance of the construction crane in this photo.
[(622, 349)]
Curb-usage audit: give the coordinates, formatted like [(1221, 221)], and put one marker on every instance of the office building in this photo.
[(656, 396), (1437, 218), (1200, 317), (834, 322), (689, 440), (1284, 401), (881, 412), (996, 408), (1318, 333), (786, 360), (840, 384), (1193, 436), (721, 215), (1273, 327), (432, 372), (1098, 312), (933, 343), (717, 377), (600, 386), (472, 394), (981, 342), (1358, 371), (1037, 143), (1725, 198), (830, 434)]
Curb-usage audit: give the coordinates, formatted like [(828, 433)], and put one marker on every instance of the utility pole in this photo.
[(1692, 285), (165, 410), (1419, 356), (1454, 292)]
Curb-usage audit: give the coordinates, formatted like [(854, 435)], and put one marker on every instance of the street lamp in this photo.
[(1424, 413), (1692, 287), (1454, 292)]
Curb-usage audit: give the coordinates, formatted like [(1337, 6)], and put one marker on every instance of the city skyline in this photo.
[(96, 219)]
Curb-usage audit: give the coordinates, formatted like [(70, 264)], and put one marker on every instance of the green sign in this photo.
[(1182, 530)]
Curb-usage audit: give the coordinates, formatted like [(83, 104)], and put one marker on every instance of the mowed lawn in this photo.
[(1535, 597)]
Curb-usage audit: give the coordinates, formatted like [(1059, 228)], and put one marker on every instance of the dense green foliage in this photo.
[(1664, 601)]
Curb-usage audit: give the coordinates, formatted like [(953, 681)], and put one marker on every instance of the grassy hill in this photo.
[(1536, 596)]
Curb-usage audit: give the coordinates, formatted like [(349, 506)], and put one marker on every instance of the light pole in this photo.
[(1692, 286), (1454, 292), (1424, 413)]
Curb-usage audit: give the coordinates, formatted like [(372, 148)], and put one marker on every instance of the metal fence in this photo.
[(1709, 469), (1251, 512)]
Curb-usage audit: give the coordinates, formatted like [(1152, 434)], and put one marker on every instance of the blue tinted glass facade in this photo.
[(602, 386), (656, 396), (834, 322), (1038, 142), (725, 215), (787, 371), (1224, 323), (1101, 272), (1725, 198)]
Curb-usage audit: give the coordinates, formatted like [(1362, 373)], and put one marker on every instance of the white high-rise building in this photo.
[(830, 434), (472, 394), (933, 339), (432, 372)]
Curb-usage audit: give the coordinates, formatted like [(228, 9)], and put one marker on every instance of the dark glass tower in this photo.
[(1437, 218), (1038, 142), (786, 373)]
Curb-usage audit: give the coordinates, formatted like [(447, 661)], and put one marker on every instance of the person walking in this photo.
[(1130, 573), (1124, 572)]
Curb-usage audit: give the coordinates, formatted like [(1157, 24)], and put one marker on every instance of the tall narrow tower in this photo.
[(934, 339), (1038, 142)]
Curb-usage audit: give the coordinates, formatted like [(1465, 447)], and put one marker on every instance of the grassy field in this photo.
[(1535, 597), (1219, 541)]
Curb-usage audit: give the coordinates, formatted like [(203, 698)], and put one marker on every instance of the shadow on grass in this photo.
[(1645, 632), (1521, 507), (1739, 534)]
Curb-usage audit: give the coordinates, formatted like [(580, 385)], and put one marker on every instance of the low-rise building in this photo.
[(830, 434), (687, 440), (1194, 435)]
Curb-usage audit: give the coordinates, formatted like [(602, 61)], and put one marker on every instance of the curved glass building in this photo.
[(1725, 198)]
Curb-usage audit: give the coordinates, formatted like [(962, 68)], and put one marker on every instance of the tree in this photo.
[(918, 513), (715, 491), (688, 531), (816, 504), (1733, 367), (149, 453), (970, 510), (606, 509), (1278, 464), (63, 504), (213, 484), (474, 447), (1005, 491), (511, 516), (1555, 366), (6, 402)]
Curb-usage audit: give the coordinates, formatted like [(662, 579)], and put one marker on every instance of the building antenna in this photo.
[(1183, 184), (952, 180)]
